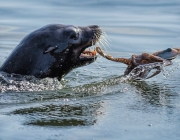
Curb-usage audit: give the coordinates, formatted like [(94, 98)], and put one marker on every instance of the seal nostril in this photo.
[(74, 36)]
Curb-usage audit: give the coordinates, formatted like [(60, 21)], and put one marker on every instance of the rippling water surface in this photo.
[(94, 102)]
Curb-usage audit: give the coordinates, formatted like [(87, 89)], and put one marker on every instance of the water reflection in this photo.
[(57, 114), (155, 93), (81, 106)]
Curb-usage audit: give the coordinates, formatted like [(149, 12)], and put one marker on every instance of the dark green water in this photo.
[(94, 102)]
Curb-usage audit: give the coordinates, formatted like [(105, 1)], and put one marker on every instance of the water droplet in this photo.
[(150, 125)]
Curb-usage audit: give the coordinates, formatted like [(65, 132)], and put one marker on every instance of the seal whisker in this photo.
[(105, 41), (106, 36), (102, 44), (92, 43), (96, 38)]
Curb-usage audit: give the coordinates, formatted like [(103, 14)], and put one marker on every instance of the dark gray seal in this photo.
[(53, 51)]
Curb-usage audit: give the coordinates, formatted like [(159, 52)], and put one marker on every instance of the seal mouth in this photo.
[(90, 54)]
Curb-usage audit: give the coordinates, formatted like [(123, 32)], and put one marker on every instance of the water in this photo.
[(94, 102)]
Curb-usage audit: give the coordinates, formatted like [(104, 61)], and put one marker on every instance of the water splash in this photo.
[(146, 71), (19, 83), (142, 72), (166, 71), (103, 87)]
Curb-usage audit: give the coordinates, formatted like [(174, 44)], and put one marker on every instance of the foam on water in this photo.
[(19, 83)]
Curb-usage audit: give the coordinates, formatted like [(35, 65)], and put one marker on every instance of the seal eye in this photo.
[(74, 36)]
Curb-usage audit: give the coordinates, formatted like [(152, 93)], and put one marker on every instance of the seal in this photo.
[(53, 51), (145, 61)]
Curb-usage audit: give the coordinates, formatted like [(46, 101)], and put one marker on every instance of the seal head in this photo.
[(53, 51)]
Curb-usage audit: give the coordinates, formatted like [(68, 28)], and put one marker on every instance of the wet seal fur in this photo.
[(53, 51)]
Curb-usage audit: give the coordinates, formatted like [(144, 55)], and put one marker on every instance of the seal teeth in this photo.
[(88, 53)]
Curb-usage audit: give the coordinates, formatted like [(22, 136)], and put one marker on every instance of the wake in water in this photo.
[(19, 83)]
